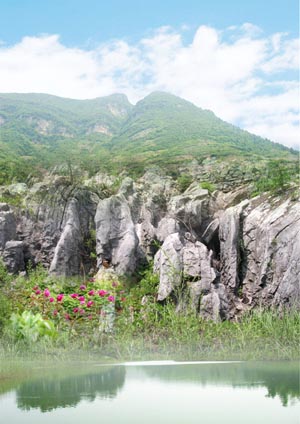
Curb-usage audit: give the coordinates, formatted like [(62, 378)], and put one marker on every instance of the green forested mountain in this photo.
[(39, 131)]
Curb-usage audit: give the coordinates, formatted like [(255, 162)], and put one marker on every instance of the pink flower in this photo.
[(90, 303), (114, 284), (74, 295), (55, 313), (82, 287), (91, 292), (75, 310), (82, 302), (51, 299), (102, 293), (38, 292), (82, 311), (111, 298), (67, 317), (35, 288), (59, 297), (81, 298), (90, 317), (46, 293)]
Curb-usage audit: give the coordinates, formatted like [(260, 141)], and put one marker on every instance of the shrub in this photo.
[(208, 186), (184, 181)]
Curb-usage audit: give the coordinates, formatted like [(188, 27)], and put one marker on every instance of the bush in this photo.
[(278, 175), (184, 181), (208, 186)]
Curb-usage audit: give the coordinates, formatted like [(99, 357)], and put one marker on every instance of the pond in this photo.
[(153, 392)]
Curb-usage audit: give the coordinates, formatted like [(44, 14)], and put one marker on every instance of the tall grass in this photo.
[(145, 329)]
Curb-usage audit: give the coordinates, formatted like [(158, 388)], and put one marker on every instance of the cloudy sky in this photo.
[(238, 59)]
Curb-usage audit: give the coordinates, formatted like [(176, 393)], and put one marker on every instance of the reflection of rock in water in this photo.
[(48, 393), (279, 379)]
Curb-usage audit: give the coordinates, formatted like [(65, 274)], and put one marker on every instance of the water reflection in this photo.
[(51, 393), (69, 387), (280, 379)]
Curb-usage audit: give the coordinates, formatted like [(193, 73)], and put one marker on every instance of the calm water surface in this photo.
[(152, 393)]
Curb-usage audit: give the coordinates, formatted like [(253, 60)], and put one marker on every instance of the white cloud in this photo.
[(240, 74)]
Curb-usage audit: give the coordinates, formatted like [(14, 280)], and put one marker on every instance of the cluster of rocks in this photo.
[(221, 252)]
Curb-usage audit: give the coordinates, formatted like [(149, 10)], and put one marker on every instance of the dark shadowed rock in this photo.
[(231, 236), (13, 256), (7, 225)]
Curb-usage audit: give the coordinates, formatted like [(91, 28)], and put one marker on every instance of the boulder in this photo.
[(67, 254), (168, 264), (117, 241), (178, 263)]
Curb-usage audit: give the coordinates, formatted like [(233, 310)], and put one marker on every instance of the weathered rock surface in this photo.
[(224, 253), (117, 241), (169, 265), (13, 256), (231, 240), (67, 258), (180, 260), (7, 225), (272, 245)]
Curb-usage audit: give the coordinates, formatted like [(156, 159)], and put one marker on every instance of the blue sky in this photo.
[(78, 21), (237, 58)]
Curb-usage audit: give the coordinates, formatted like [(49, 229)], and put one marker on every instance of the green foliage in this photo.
[(5, 311), (184, 181), (208, 186), (277, 176), (13, 200), (30, 327), (5, 278), (108, 134)]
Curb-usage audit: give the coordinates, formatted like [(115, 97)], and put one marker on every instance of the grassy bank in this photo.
[(112, 322)]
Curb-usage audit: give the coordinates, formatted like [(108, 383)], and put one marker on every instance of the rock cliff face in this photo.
[(222, 251)]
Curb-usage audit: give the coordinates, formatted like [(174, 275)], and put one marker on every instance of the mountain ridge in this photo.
[(42, 130)]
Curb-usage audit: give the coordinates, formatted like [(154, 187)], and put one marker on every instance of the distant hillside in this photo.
[(39, 131), (165, 129)]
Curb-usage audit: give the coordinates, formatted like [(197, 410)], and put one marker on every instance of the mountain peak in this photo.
[(109, 132)]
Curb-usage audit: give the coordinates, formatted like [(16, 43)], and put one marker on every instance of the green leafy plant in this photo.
[(31, 327)]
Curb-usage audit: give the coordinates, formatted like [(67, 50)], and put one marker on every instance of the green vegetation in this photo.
[(71, 319), (39, 132), (277, 177), (208, 186), (184, 181), (30, 327)]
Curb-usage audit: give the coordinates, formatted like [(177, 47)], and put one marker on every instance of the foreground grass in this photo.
[(142, 329), (261, 335)]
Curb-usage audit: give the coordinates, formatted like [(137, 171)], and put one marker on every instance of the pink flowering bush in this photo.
[(79, 307)]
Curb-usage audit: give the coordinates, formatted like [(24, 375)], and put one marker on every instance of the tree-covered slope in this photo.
[(163, 128), (39, 131)]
